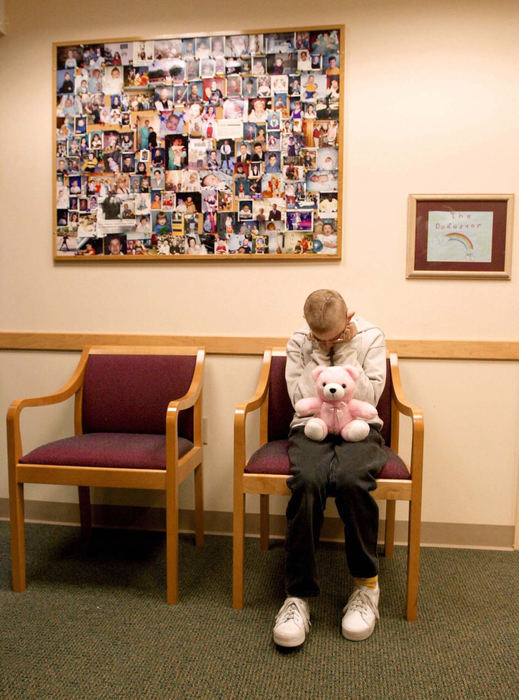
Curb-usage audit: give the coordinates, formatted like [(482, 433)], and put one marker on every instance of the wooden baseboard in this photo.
[(141, 518)]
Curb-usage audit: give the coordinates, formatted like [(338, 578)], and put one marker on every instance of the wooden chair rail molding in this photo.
[(238, 345)]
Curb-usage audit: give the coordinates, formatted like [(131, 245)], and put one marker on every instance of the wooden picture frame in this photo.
[(459, 236), (200, 147)]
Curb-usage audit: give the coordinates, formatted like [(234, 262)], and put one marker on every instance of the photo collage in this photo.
[(220, 145)]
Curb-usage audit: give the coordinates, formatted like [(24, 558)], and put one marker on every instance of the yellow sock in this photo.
[(369, 582)]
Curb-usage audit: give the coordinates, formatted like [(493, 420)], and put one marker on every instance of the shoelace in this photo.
[(290, 610), (360, 601)]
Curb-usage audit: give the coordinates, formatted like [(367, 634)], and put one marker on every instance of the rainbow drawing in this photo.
[(460, 238)]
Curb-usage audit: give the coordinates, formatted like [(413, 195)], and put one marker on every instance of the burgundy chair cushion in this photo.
[(281, 410), (272, 458), (125, 450), (130, 393)]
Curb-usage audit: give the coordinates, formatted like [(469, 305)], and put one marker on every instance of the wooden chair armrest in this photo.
[(417, 419), (17, 406), (256, 401), (190, 398), (399, 398)]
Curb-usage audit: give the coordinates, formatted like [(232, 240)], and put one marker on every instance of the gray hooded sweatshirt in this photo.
[(366, 351)]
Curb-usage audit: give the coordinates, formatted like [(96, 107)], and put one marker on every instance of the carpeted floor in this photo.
[(93, 623)]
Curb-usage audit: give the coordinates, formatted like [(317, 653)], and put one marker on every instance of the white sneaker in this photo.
[(360, 613), (292, 623)]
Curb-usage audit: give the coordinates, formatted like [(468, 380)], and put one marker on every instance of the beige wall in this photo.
[(431, 106)]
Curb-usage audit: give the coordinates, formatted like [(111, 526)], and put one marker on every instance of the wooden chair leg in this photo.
[(238, 550), (85, 511), (264, 521), (172, 545), (16, 508), (389, 537), (199, 506), (413, 561)]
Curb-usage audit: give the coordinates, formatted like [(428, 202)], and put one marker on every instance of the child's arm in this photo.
[(302, 359), (372, 370)]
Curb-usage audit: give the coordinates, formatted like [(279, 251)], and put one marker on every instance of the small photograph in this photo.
[(209, 222), (302, 40), (143, 53), (142, 203), (209, 200), (328, 205), (272, 185), (280, 64), (294, 85), (241, 188), (157, 156), (119, 54), (164, 99), (203, 47), (234, 86), (89, 246), (245, 210), (309, 111), (250, 131), (327, 159), (322, 181), (249, 87), (207, 68), (273, 120), (167, 48), (273, 162), (192, 223), (65, 82), (283, 42), (113, 80), (324, 42), (279, 83), (293, 172), (258, 111), (128, 209), (259, 244), (241, 170), (226, 223), (259, 65), (194, 246), (296, 108), (115, 244), (280, 104), (331, 66), (156, 200), (225, 201), (316, 61), (256, 44), (70, 57), (115, 102), (263, 86), (304, 61), (194, 93), (66, 243), (128, 163), (157, 179), (256, 169), (236, 46), (325, 237), (188, 49), (197, 154), (243, 151), (168, 200), (219, 65), (192, 202), (213, 90), (192, 69), (191, 181), (235, 108), (160, 224), (218, 46)]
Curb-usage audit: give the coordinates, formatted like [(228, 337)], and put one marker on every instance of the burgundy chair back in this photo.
[(130, 393), (281, 410)]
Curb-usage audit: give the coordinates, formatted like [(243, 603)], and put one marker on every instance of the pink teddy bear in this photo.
[(334, 409)]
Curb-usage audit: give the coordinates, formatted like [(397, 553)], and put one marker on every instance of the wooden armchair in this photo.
[(138, 424), (266, 471)]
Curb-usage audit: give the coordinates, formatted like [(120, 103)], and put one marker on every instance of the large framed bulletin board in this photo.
[(201, 147)]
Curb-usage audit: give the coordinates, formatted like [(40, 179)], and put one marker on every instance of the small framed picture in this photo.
[(463, 236)]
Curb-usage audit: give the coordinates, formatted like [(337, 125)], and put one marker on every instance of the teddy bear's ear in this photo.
[(317, 371), (352, 371)]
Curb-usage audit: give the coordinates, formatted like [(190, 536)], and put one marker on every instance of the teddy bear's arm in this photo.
[(305, 407), (362, 409)]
